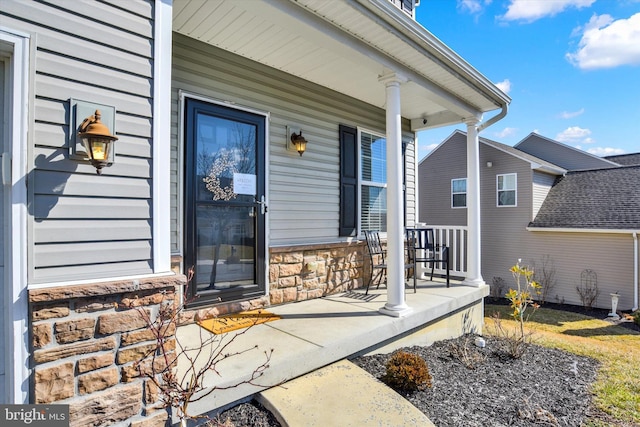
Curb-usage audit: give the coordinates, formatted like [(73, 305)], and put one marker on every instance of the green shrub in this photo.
[(407, 372), (636, 317)]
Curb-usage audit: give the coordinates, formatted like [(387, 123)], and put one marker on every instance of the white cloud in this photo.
[(429, 148), (473, 6), (605, 151), (607, 43), (504, 86), (575, 135), (571, 114), (532, 10), (506, 132)]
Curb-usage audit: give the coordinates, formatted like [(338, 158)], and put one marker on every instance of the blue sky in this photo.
[(571, 67)]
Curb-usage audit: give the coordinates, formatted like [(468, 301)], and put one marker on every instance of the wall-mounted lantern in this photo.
[(97, 141), (296, 141), (92, 129)]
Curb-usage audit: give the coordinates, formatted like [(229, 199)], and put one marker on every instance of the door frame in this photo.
[(19, 54), (183, 97)]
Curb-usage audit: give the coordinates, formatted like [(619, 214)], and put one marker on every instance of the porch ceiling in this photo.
[(346, 46)]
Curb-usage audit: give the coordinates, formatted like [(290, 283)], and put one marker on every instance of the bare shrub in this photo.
[(497, 286), (466, 353), (588, 289), (511, 342), (545, 275), (536, 413)]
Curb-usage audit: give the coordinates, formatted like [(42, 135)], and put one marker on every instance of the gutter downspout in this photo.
[(635, 271), (492, 120)]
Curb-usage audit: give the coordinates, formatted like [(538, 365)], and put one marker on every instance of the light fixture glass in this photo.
[(299, 142), (97, 141)]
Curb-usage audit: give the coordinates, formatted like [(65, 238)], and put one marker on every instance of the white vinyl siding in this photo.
[(542, 183), (83, 226), (610, 256), (459, 193), (506, 186), (303, 191)]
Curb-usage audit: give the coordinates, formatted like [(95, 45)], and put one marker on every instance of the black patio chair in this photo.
[(424, 249), (377, 257)]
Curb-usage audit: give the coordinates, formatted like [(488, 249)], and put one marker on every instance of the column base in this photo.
[(397, 311), (474, 283)]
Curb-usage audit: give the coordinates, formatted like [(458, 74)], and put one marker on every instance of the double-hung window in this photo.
[(373, 182), (459, 193), (506, 186)]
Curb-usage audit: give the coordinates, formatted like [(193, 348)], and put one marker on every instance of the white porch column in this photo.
[(396, 305), (474, 276)]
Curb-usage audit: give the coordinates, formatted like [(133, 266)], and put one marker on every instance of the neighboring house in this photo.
[(554, 219), (561, 154), (205, 97)]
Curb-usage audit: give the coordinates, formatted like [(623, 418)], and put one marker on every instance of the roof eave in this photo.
[(584, 230), (412, 30)]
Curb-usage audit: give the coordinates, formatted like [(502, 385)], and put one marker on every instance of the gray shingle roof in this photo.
[(625, 159), (593, 199)]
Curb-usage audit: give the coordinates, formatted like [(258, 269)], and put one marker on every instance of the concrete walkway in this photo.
[(341, 394), (316, 333)]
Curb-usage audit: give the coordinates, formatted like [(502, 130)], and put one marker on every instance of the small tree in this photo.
[(522, 297), (158, 365)]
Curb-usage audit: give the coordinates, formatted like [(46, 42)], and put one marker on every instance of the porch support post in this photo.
[(474, 276), (396, 305)]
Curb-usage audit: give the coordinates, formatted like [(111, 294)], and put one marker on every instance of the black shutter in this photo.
[(348, 181)]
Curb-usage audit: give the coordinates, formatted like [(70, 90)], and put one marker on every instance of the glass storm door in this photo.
[(224, 203)]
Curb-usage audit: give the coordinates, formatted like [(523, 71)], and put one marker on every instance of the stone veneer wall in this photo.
[(298, 273), (85, 342)]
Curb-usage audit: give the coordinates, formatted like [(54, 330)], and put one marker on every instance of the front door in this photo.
[(224, 203)]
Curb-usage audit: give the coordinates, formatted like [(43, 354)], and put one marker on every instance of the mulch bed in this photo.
[(543, 387)]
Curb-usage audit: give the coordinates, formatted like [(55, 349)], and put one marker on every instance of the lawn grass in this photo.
[(617, 388)]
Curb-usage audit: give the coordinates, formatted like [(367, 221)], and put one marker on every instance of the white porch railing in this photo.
[(455, 238)]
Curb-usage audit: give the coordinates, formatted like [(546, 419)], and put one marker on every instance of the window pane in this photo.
[(459, 200), (374, 158), (459, 186), (507, 182), (224, 147), (225, 246), (506, 198), (374, 208), (510, 182)]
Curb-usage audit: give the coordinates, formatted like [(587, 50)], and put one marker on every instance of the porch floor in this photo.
[(315, 333)]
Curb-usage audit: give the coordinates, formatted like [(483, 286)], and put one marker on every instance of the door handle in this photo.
[(263, 204), (5, 166)]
